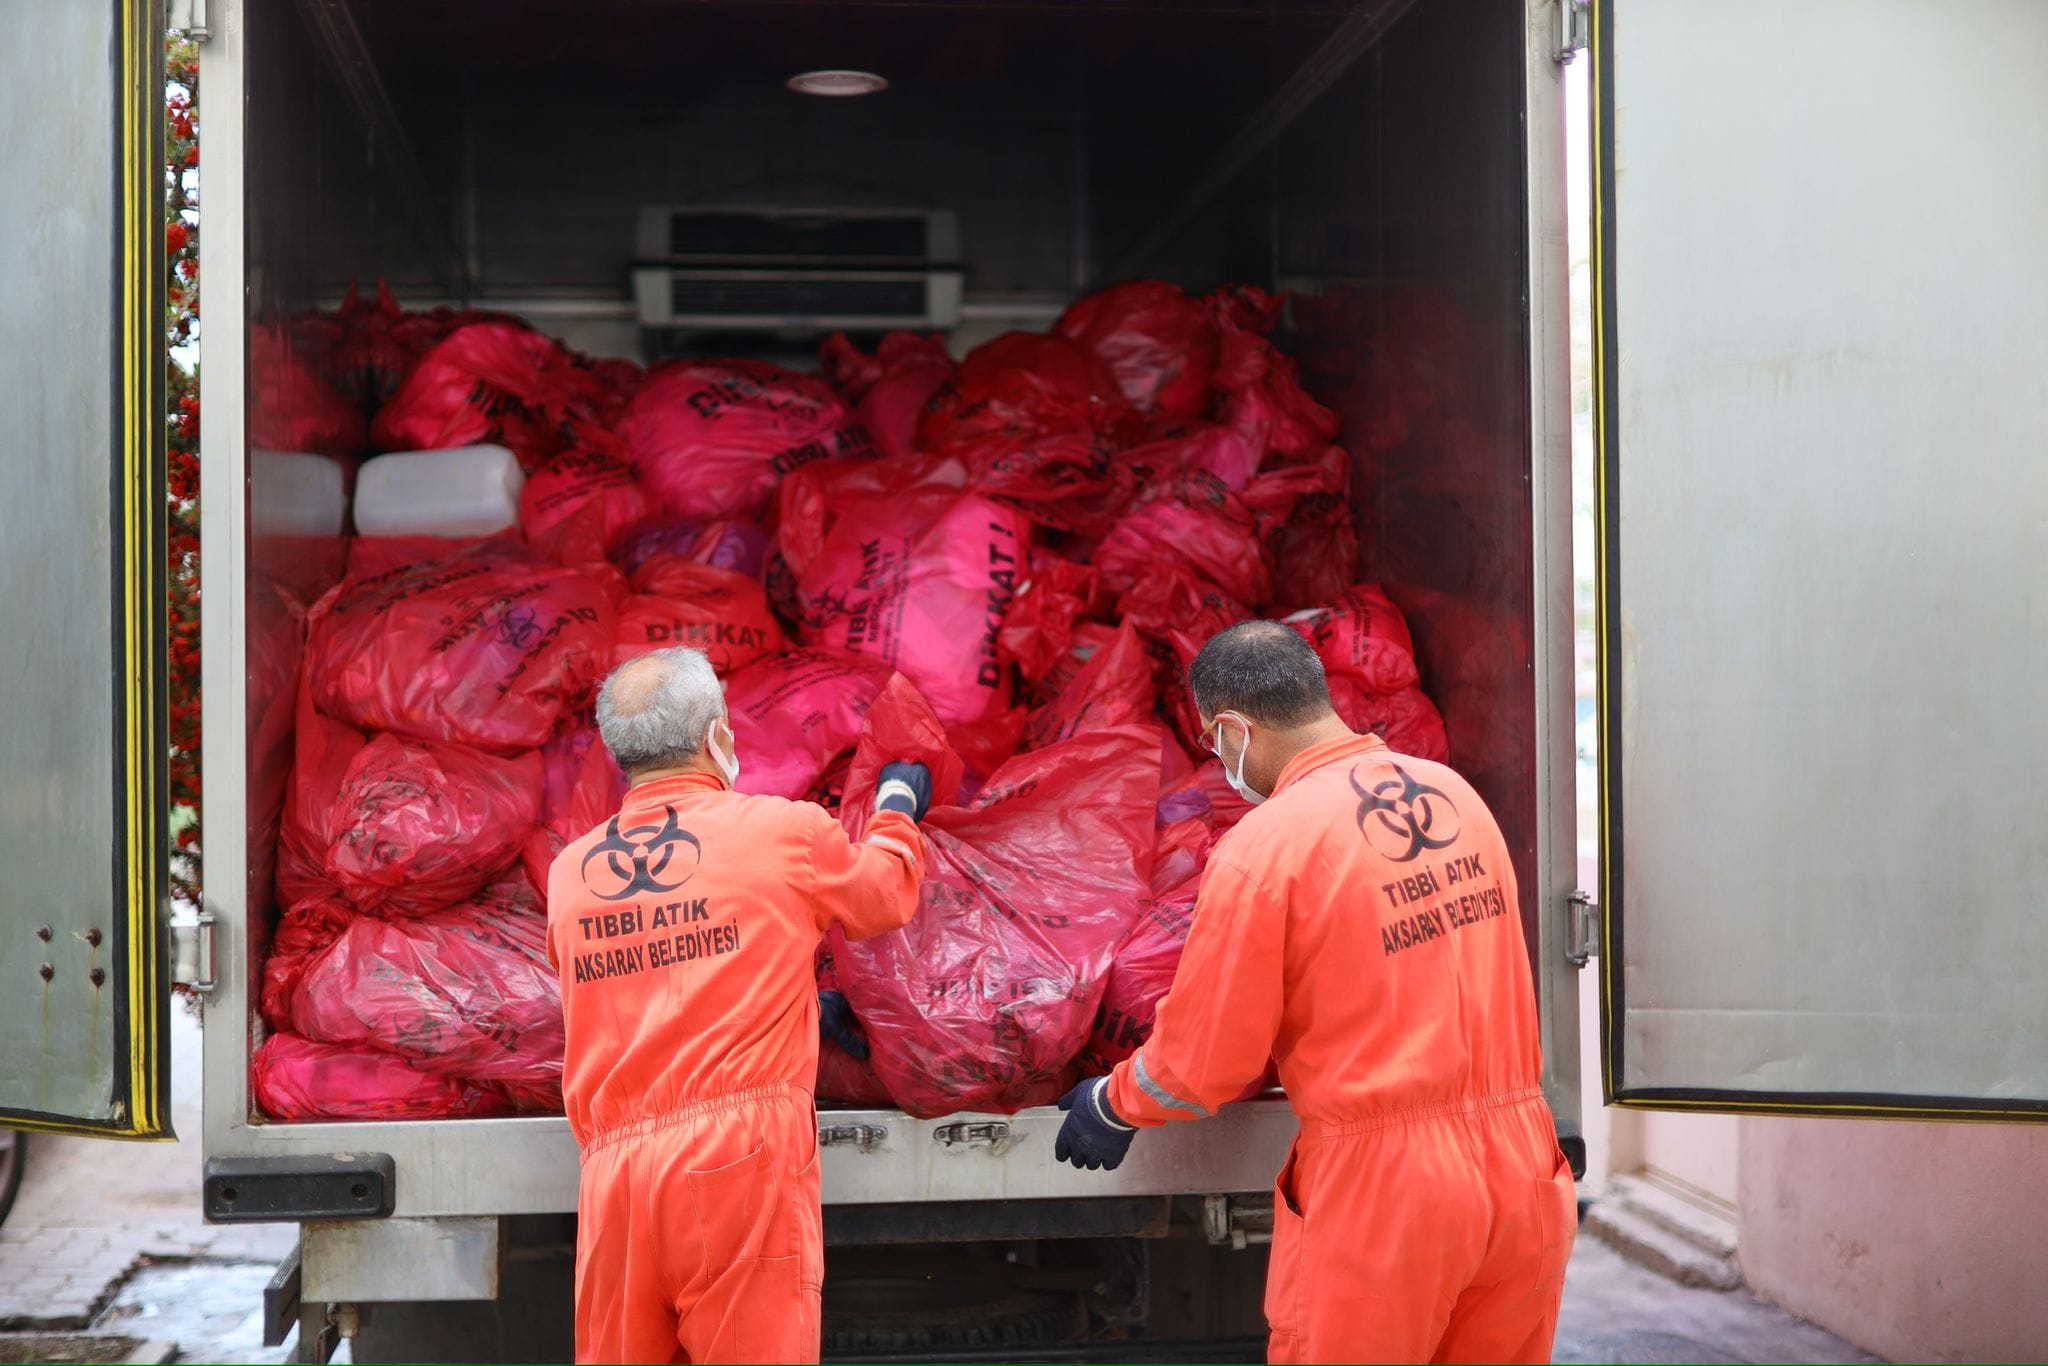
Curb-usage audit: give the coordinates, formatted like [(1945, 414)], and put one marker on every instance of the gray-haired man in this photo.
[(684, 930)]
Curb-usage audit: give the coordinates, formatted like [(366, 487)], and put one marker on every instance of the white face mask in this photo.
[(729, 761), (1236, 780)]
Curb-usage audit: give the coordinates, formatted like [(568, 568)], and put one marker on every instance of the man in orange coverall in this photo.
[(684, 930), (1361, 927)]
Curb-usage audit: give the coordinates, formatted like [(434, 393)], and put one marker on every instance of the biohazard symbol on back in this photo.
[(644, 858), (1400, 817)]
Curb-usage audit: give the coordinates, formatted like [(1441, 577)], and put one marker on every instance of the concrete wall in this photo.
[(1919, 1242), (1699, 1155)]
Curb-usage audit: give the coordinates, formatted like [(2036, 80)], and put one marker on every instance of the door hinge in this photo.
[(189, 18), (1574, 28), (865, 1137), (1581, 929), (192, 953), (964, 1134)]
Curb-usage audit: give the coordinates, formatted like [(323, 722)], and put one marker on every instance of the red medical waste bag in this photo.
[(712, 439), (984, 1000), (488, 647)]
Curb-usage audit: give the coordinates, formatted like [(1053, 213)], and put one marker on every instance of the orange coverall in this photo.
[(684, 931), (1361, 927)]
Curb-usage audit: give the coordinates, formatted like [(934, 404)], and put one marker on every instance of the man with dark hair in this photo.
[(1361, 927)]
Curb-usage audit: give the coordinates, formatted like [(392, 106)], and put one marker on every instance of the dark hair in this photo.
[(1265, 672)]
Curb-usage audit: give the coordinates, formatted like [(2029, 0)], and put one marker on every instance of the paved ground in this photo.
[(109, 1236), (1616, 1311)]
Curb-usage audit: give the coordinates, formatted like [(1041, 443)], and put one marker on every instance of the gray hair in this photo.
[(654, 711)]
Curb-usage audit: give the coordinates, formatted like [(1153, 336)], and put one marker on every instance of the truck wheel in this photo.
[(13, 1156), (886, 1313)]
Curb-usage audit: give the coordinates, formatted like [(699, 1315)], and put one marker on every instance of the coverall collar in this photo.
[(1328, 752), (670, 788)]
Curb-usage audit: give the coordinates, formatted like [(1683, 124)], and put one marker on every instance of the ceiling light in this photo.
[(837, 83)]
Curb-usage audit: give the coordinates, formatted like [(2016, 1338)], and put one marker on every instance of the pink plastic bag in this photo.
[(712, 439), (891, 387), (1036, 421), (1180, 610), (739, 546), (1192, 521), (900, 727), (1139, 979), (581, 789), (579, 503), (1015, 389), (984, 1000), (301, 933), (373, 346), (898, 565), (1362, 640), (1224, 452), (297, 1079), (323, 750), (417, 826), (1087, 638), (1139, 976), (371, 556), (617, 380), (1263, 395), (489, 648), (275, 623), (1159, 343), (1303, 509), (677, 602), (1039, 625), (363, 352), (794, 714), (1114, 688), (1407, 720), (986, 745), (489, 382), (466, 992), (291, 408)]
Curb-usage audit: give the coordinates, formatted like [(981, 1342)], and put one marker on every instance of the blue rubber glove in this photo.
[(1094, 1135), (836, 1022), (906, 788)]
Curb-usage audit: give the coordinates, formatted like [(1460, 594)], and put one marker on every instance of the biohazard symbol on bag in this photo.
[(518, 627), (640, 858), (1401, 817)]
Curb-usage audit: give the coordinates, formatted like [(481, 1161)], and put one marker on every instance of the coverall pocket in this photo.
[(1286, 1186), (1286, 1271), (1557, 1219), (729, 1203)]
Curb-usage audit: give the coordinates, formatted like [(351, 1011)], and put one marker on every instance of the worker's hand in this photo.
[(836, 1022), (906, 788), (1094, 1135)]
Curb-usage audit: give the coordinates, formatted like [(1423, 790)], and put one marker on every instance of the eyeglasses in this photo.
[(1211, 737)]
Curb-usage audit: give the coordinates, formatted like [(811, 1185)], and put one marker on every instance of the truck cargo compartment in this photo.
[(1369, 160)]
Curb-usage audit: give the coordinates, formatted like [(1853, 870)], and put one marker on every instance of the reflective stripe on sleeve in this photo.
[(1157, 1092), (898, 845)]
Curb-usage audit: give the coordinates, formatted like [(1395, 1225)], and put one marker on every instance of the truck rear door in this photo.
[(1822, 354), (83, 1006)]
